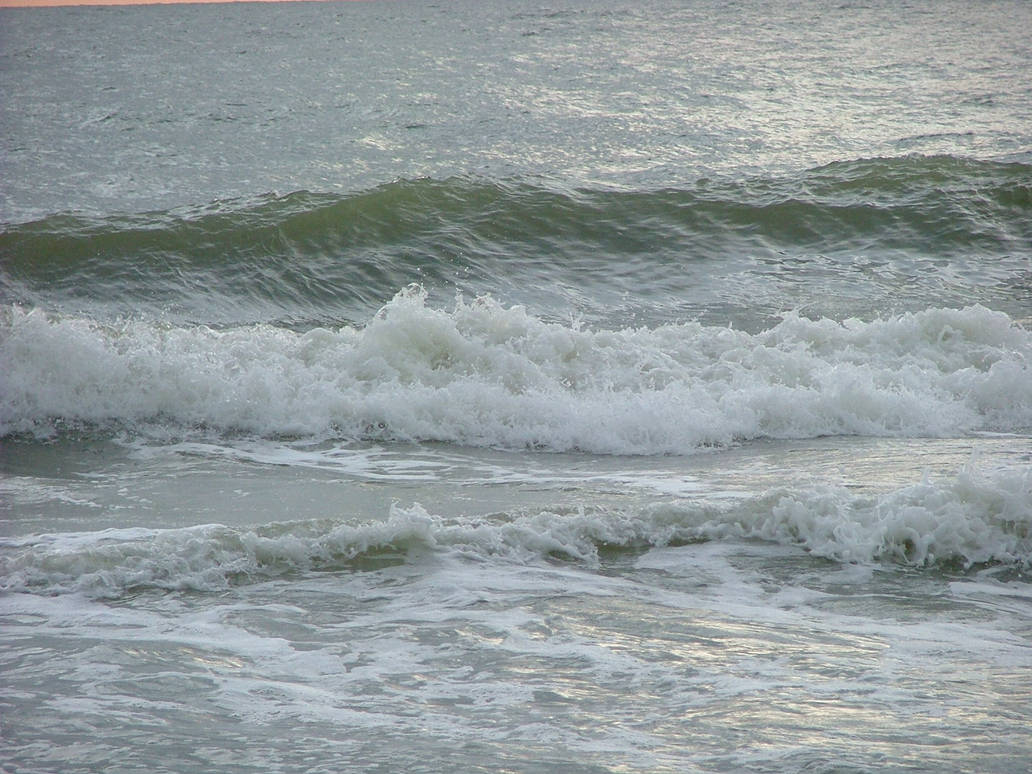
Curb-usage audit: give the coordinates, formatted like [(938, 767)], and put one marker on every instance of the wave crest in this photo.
[(971, 519), (911, 231), (487, 375)]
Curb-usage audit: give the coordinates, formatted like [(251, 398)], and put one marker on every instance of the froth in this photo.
[(970, 518), (484, 374)]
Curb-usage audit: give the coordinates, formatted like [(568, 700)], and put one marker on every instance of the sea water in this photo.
[(498, 386)]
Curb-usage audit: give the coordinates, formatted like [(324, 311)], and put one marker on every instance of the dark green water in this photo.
[(846, 239)]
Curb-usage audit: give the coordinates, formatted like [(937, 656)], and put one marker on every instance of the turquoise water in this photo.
[(494, 387)]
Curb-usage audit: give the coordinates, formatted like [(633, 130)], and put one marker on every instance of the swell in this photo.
[(307, 257)]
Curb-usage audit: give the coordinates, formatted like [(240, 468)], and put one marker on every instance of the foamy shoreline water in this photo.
[(969, 519)]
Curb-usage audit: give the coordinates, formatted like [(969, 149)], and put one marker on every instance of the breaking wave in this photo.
[(970, 518), (483, 374)]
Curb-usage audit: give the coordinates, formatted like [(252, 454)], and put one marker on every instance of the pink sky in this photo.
[(36, 3)]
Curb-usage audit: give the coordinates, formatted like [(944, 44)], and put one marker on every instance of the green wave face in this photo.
[(740, 251)]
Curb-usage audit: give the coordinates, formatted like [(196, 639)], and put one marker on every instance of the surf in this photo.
[(484, 374)]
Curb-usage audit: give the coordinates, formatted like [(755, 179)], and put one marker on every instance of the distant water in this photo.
[(603, 387)]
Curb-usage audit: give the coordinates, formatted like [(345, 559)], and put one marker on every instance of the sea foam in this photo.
[(970, 518), (484, 374)]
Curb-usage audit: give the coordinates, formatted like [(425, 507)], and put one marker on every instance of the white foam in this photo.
[(970, 518), (483, 374)]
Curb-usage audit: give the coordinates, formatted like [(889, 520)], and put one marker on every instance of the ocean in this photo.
[(516, 387)]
